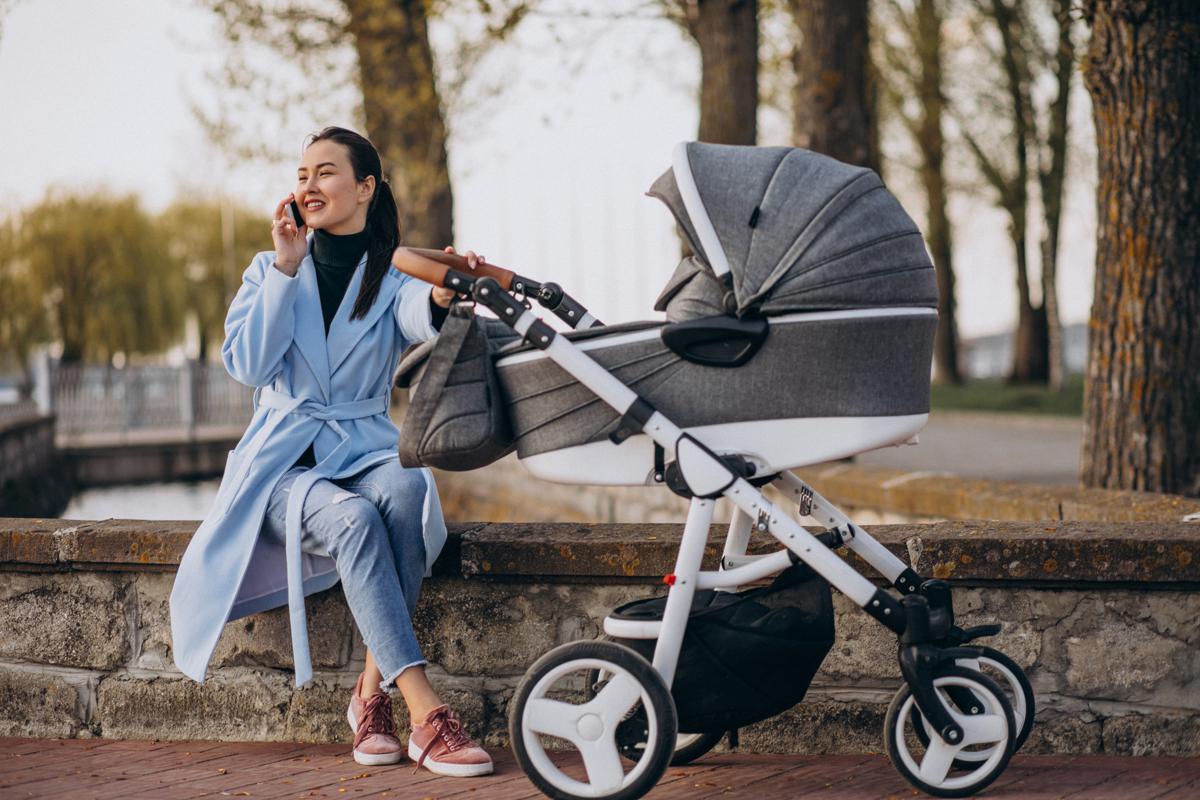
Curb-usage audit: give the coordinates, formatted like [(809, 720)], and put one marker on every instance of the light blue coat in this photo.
[(331, 392)]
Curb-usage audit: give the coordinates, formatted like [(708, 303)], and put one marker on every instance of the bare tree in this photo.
[(1011, 183), (1142, 395), (912, 54), (1052, 176), (1036, 148), (834, 105), (380, 47)]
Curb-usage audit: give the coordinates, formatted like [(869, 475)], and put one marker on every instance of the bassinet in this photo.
[(806, 268)]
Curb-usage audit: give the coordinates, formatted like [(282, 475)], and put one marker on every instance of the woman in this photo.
[(314, 491)]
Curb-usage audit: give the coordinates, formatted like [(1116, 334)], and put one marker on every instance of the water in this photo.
[(176, 500)]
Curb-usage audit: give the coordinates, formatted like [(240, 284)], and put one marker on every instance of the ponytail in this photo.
[(383, 237), (383, 217)]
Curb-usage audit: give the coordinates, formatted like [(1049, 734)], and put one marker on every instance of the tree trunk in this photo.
[(1029, 345), (932, 144), (1052, 178), (1029, 342), (404, 114), (1142, 396), (834, 101), (727, 34)]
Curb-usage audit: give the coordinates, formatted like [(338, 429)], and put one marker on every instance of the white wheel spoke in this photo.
[(553, 718), (935, 766), (983, 729), (603, 764), (616, 698)]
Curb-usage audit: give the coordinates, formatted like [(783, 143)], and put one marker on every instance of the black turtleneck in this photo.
[(335, 258)]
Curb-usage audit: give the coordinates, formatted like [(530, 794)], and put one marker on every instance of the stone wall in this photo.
[(1106, 619), (33, 478)]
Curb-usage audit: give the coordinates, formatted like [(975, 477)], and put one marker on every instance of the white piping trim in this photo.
[(783, 319), (694, 204)]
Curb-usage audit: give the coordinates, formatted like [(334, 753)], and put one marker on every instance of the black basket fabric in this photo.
[(746, 656)]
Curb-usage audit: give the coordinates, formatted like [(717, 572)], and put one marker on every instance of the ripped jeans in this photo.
[(370, 525)]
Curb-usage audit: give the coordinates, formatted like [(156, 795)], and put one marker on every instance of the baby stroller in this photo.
[(798, 331)]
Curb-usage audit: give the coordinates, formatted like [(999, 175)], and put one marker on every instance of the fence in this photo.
[(18, 410), (97, 399)]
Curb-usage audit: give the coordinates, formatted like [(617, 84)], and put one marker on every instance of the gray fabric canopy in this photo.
[(798, 231)]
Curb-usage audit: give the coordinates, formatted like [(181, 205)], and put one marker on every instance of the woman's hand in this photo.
[(443, 296), (290, 243)]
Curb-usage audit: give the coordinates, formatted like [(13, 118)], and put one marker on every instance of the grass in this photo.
[(1000, 396)]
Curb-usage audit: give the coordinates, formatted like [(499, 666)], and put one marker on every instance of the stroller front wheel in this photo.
[(632, 715), (1017, 690), (938, 767)]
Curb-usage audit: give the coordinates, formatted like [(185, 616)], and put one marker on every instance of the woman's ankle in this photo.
[(367, 688)]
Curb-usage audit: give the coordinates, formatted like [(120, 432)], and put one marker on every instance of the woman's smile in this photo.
[(326, 188)]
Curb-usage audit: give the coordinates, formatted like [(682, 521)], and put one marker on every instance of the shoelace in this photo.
[(377, 718), (447, 729)]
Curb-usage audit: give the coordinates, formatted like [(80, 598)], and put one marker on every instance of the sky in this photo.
[(549, 177)]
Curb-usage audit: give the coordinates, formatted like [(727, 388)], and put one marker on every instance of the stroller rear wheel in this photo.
[(632, 714), (931, 767), (688, 746)]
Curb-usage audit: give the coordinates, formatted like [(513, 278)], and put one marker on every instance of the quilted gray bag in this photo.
[(458, 417)]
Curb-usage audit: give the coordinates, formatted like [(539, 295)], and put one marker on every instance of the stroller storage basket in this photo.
[(746, 656)]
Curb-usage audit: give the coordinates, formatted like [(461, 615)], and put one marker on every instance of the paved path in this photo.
[(1003, 447), (92, 769)]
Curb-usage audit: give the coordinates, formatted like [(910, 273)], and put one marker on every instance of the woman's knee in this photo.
[(395, 489), (350, 517)]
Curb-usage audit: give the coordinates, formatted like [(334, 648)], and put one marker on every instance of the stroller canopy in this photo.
[(795, 230)]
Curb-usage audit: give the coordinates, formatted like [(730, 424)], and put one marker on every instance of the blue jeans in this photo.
[(370, 525)]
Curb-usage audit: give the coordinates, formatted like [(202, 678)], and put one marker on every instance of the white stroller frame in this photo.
[(946, 699)]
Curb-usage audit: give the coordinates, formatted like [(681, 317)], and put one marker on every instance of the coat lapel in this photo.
[(344, 332), (310, 325)]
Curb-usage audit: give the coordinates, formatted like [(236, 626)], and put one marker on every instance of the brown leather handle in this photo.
[(432, 265)]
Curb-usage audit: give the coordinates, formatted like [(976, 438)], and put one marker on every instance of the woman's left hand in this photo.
[(443, 296)]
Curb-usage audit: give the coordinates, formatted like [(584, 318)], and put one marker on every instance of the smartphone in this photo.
[(294, 212)]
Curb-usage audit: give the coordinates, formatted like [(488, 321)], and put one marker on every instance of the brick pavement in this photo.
[(99, 769)]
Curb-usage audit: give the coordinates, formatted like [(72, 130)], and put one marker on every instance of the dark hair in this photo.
[(383, 218)]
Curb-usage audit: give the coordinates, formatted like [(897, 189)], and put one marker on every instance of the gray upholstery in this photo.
[(825, 235), (877, 366)]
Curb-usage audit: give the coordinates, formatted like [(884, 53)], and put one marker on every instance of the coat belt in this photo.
[(327, 467)]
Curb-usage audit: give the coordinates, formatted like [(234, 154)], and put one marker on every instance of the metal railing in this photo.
[(21, 409), (96, 399)]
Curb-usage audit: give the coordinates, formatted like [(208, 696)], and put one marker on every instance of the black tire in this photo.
[(656, 755), (1026, 689), (694, 746), (1022, 686), (981, 686)]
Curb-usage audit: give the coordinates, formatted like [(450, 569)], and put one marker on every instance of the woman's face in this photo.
[(327, 192)]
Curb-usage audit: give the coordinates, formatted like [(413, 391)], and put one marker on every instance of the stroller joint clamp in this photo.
[(675, 673)]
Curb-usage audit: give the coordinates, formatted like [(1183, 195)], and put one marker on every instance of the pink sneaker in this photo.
[(442, 746), (375, 741)]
